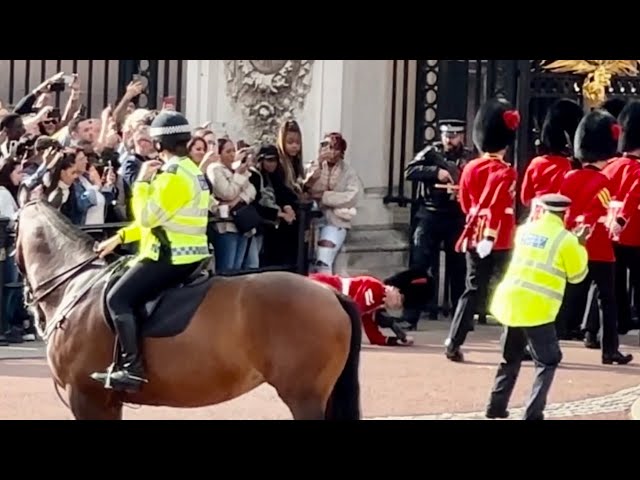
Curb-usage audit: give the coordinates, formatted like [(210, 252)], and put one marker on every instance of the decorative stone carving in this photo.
[(267, 92)]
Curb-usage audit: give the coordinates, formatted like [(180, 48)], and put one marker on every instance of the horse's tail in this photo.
[(344, 403)]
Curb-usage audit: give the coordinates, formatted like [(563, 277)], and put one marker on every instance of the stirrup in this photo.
[(110, 371)]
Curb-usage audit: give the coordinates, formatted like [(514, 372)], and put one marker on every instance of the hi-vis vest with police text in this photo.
[(545, 257), (177, 201)]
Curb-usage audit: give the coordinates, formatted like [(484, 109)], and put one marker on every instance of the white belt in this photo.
[(580, 219), (346, 284), (486, 211)]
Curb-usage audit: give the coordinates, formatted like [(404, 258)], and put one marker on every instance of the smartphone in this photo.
[(83, 110), (57, 87)]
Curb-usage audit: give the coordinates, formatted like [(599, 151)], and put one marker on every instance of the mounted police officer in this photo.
[(170, 206), (439, 218)]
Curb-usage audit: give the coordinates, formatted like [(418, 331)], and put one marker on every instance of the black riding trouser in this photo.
[(143, 282)]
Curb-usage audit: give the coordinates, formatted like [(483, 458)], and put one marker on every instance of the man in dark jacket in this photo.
[(439, 219)]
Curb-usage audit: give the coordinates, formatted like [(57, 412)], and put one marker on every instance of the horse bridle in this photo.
[(31, 299)]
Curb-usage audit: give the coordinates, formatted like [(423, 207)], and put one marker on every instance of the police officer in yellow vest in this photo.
[(546, 256), (170, 206)]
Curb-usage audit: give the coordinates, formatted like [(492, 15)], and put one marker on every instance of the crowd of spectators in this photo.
[(86, 167)]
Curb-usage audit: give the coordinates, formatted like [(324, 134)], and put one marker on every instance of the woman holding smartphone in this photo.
[(232, 189)]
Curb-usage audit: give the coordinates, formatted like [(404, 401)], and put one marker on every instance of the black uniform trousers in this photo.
[(574, 315), (627, 258), (545, 351), (142, 282), (479, 273), (434, 229), (601, 278)]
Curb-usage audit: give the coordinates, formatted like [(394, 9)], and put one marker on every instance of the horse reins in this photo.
[(35, 299)]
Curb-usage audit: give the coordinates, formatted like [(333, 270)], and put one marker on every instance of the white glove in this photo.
[(484, 247)]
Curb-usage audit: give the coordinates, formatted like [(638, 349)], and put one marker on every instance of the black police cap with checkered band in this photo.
[(169, 123)]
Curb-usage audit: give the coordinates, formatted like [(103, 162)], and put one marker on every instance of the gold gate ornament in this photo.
[(598, 75)]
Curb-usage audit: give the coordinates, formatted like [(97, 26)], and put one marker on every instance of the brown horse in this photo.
[(273, 327)]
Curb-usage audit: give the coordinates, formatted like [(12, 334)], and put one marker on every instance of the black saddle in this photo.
[(170, 313)]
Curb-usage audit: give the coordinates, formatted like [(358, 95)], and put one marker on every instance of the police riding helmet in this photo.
[(170, 130)]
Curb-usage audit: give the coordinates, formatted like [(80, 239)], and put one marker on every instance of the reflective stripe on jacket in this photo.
[(545, 257), (176, 201)]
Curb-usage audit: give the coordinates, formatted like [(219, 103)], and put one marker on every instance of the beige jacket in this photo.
[(340, 188), (227, 187)]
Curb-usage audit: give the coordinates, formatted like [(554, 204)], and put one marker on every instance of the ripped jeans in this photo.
[(325, 254)]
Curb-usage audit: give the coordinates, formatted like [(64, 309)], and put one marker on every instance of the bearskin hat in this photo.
[(596, 137), (559, 126), (495, 126), (614, 106), (416, 288), (630, 122)]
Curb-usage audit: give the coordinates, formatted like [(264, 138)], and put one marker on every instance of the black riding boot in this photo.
[(128, 374)]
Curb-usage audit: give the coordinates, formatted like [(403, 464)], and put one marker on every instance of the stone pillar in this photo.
[(201, 91)]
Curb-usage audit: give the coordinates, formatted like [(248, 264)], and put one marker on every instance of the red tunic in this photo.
[(487, 189), (367, 292), (544, 175), (624, 178), (590, 195)]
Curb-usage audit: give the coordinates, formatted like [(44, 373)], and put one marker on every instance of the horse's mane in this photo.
[(62, 225)]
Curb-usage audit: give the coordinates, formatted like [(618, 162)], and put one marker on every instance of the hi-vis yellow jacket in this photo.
[(545, 257), (177, 201)]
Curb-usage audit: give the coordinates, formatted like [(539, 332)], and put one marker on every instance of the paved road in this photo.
[(400, 383)]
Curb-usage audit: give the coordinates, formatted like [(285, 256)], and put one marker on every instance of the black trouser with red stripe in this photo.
[(602, 275), (627, 259), (479, 273)]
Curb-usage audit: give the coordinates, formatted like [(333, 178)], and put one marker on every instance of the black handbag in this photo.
[(246, 218)]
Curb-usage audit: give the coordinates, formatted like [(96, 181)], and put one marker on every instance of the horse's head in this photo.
[(47, 246)]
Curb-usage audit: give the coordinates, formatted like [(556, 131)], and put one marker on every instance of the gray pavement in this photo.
[(23, 350)]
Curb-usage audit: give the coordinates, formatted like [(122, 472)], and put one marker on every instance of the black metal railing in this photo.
[(304, 215), (102, 81), (396, 180)]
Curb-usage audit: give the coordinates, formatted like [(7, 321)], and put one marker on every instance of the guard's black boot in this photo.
[(618, 357), (129, 374), (453, 353), (591, 341), (493, 413)]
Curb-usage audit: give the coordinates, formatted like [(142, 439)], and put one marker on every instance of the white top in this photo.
[(95, 213), (8, 205)]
